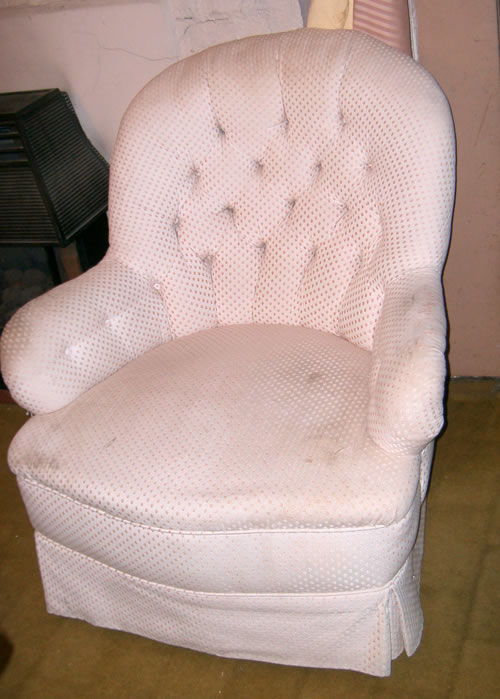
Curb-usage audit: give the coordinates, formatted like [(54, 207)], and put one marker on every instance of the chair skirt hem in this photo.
[(361, 631)]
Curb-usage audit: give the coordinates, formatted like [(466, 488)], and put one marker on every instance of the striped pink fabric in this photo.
[(387, 20)]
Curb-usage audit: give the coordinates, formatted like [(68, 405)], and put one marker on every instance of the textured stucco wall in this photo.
[(459, 45), (103, 51)]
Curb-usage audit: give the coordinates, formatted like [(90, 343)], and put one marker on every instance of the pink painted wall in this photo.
[(100, 55), (459, 44)]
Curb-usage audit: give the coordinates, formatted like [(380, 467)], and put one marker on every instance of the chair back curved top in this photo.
[(284, 179)]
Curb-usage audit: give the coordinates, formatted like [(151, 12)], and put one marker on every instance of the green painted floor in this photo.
[(48, 656)]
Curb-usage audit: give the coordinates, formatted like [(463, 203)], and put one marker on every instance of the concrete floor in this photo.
[(48, 656)]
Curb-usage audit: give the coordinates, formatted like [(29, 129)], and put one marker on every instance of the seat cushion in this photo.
[(235, 459)]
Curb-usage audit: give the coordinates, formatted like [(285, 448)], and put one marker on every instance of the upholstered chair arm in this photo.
[(60, 344), (407, 380)]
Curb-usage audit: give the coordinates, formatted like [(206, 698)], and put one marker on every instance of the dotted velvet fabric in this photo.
[(236, 408)]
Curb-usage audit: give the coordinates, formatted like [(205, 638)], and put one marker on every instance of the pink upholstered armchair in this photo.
[(234, 412)]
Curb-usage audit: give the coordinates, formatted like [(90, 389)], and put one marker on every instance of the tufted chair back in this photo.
[(282, 179)]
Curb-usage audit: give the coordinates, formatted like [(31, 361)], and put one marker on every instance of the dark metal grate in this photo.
[(53, 182), (23, 212)]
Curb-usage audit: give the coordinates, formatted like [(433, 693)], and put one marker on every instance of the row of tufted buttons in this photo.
[(285, 123), (259, 168), (229, 210)]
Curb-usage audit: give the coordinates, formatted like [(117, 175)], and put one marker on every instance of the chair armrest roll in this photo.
[(60, 344), (409, 367)]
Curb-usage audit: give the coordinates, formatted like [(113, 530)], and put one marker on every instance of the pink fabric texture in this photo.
[(236, 408)]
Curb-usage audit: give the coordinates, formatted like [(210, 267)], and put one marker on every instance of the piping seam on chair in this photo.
[(388, 587), (222, 532)]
